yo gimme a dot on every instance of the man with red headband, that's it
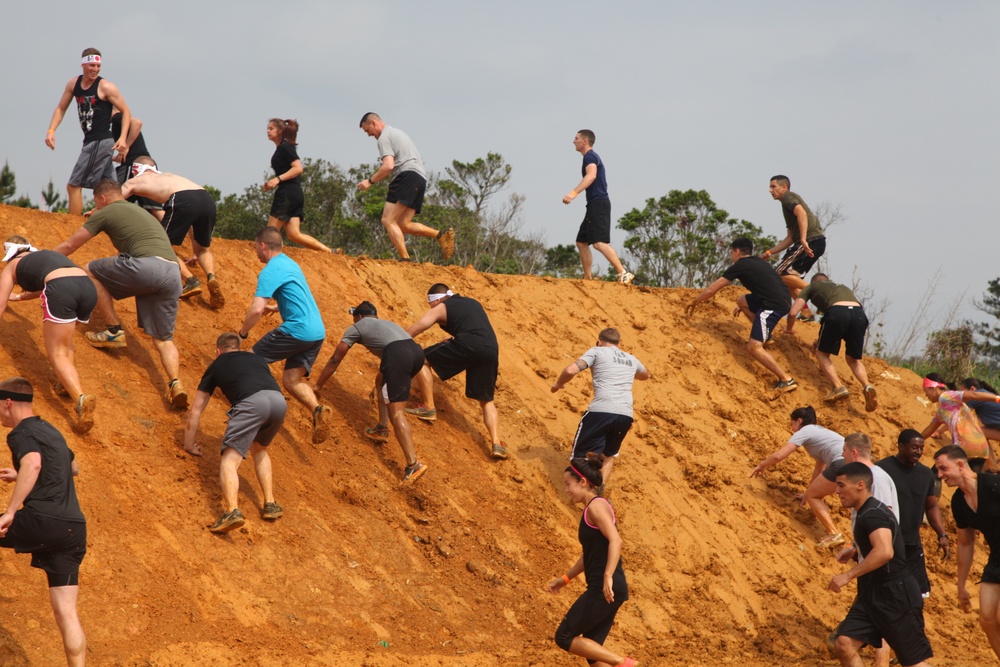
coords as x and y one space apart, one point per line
96 98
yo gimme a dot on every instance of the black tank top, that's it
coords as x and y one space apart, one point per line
137 149
468 323
595 556
31 271
95 113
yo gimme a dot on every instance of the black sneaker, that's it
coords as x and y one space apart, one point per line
272 511
413 472
785 386
229 521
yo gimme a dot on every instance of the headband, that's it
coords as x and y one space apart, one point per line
11 249
431 298
15 396
930 384
92 58
139 169
579 473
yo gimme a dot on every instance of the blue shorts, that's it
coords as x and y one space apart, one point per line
766 320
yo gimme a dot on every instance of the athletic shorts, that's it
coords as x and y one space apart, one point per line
796 261
153 281
277 345
843 323
124 173
401 361
892 610
93 164
591 616
187 209
289 202
915 563
600 432
830 471
766 320
56 546
448 359
68 299
257 418
991 573
596 225
407 188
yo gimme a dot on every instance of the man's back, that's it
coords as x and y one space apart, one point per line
282 279
758 276
374 334
613 372
393 141
468 323
158 187
132 231
239 374
54 493
824 294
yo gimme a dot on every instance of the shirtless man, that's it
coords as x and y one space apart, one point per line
186 205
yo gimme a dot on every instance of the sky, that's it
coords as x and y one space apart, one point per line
888 110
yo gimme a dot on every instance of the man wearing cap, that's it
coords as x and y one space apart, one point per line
43 515
258 411
473 349
299 338
95 99
401 359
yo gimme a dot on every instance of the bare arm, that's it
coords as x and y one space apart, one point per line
706 294
930 430
644 374
776 457
384 171
73 243
803 223
6 286
295 170
31 466
881 553
109 92
589 176
783 244
331 366
568 374
436 315
933 512
966 549
257 309
797 307
574 571
201 399
57 115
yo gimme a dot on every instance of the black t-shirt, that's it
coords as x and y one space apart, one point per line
31 271
914 485
758 276
284 155
54 494
239 375
138 147
987 518
872 516
468 323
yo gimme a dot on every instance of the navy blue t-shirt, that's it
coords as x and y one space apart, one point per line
598 190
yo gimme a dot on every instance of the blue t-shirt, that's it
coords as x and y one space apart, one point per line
598 190
283 281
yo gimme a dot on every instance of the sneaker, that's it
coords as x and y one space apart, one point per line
85 405
321 424
272 511
446 238
837 394
228 521
420 412
831 540
106 338
414 471
59 390
216 299
626 278
802 317
178 397
871 398
785 386
499 451
378 433
191 287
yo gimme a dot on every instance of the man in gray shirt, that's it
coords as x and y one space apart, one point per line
608 418
406 189
401 360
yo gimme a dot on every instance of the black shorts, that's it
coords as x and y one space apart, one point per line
449 358
596 225
408 189
843 323
189 209
991 573
766 320
56 546
915 563
289 202
68 299
401 361
795 260
894 611
830 472
591 616
277 345
601 432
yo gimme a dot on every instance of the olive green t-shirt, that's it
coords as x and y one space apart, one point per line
789 201
825 294
132 230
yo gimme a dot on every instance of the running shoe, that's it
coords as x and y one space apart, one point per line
216 299
85 405
499 451
626 278
59 390
785 386
831 540
321 424
272 511
178 397
837 394
420 412
871 398
413 472
228 521
446 238
802 317
191 287
106 338
378 433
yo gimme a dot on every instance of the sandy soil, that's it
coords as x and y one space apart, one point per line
451 570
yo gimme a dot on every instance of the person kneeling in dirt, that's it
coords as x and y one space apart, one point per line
258 411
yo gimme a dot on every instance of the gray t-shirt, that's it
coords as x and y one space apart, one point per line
613 372
822 444
396 143
374 334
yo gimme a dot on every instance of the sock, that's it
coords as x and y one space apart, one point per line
114 328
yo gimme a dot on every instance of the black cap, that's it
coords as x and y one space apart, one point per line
363 308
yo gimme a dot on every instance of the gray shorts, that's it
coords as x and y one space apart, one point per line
257 418
93 164
277 345
153 281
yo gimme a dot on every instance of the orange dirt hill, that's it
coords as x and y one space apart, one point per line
452 570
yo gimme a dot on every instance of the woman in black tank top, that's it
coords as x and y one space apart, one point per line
587 623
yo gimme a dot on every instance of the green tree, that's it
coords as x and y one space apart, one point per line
682 239
53 199
988 333
563 261
8 188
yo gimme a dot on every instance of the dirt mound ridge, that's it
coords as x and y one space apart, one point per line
451 570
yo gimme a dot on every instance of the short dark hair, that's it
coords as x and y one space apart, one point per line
610 335
906 435
820 278
807 414
228 341
953 452
438 288
17 385
743 245
857 471
968 383
368 117
861 442
589 136
106 186
90 52
782 180
364 309
270 237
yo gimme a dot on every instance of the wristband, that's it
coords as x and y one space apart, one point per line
997 399
51 132
767 253
371 179
565 578
278 177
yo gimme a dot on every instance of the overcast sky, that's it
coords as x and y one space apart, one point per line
888 109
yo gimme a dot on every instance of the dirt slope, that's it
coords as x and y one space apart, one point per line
451 571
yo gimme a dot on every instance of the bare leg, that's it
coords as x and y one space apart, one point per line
610 255
105 304
794 284
491 420
75 194
295 234
294 382
185 272
764 358
846 650
989 613
882 655
826 365
591 650
262 464
401 427
205 258
586 258
403 216
169 357
59 347
425 382
609 463
820 488
63 599
858 368
229 478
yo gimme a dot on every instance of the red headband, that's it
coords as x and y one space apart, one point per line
930 384
578 473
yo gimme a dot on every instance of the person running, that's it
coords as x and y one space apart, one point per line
888 603
287 210
400 360
805 240
953 413
68 296
473 349
764 306
400 158
918 492
186 206
595 230
588 622
258 411
843 320
300 336
826 447
146 268
95 97
608 418
988 412
43 515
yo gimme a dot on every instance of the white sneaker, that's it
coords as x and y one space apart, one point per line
626 278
